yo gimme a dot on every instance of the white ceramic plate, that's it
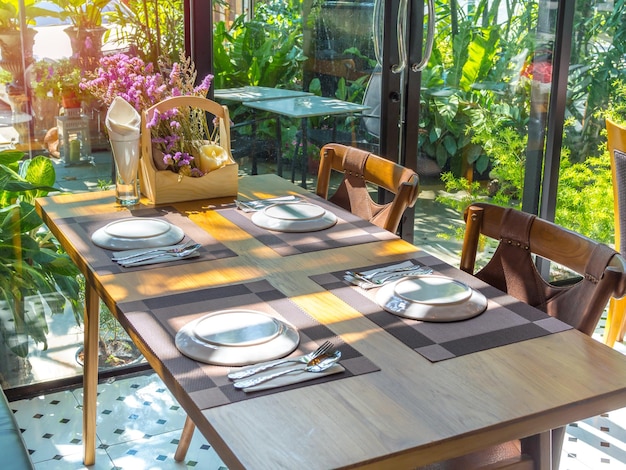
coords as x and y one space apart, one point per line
137 232
294 217
237 338
431 298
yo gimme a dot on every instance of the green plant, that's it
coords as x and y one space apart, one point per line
474 66
31 261
9 14
266 51
69 76
85 14
57 78
154 29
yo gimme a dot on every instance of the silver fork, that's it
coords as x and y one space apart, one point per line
175 249
242 374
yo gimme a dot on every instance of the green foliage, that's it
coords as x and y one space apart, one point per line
154 29
56 78
85 14
9 17
467 76
585 198
31 262
266 51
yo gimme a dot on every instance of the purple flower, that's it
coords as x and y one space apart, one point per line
174 132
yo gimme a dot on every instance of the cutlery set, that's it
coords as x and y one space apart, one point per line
259 204
129 258
319 360
372 279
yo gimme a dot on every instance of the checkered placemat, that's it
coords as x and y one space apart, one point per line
349 230
505 321
80 229
157 320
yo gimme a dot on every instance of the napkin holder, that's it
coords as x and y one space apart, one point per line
165 186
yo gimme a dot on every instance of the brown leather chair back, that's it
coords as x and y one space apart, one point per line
512 268
360 168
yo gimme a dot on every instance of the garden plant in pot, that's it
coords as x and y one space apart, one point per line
16 38
38 278
69 76
115 348
86 31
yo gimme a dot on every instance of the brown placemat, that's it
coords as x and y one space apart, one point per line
80 229
157 320
349 230
506 320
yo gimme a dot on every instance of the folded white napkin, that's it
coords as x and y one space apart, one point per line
122 121
405 268
291 378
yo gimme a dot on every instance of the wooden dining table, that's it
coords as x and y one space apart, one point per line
408 396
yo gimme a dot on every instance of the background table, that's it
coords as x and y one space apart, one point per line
410 412
256 93
303 108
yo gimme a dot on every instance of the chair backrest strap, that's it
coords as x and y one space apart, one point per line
352 193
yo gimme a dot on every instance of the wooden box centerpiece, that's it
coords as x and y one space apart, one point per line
164 186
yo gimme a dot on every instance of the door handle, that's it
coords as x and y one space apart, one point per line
403 10
430 39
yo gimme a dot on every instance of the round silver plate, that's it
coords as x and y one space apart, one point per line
294 217
431 298
137 232
237 337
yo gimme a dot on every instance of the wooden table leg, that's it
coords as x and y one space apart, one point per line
185 440
90 373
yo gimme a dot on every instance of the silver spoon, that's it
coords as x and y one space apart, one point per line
319 364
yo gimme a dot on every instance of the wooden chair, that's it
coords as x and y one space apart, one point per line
360 168
600 272
616 143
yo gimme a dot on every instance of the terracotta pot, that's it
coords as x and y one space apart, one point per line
70 100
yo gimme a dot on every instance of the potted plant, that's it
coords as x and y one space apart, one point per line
86 31
32 265
14 40
59 80
69 76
